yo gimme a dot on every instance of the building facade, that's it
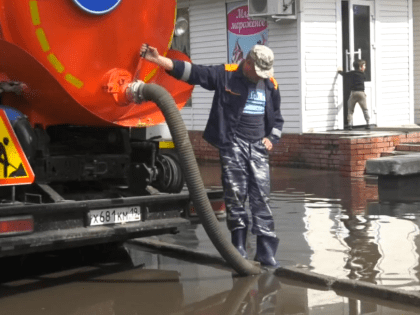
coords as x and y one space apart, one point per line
309 45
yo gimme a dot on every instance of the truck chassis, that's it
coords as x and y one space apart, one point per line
68 224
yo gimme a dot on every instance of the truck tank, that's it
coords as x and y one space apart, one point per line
69 63
75 56
68 72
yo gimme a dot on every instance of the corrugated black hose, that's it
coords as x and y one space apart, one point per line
165 102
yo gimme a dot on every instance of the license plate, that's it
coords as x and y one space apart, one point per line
117 215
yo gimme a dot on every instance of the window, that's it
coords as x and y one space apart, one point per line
182 43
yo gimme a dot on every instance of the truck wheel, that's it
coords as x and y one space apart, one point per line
170 178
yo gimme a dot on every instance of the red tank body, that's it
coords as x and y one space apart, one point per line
75 62
72 171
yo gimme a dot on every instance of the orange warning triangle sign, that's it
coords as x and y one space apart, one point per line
14 166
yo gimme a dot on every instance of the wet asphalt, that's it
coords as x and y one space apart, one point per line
339 227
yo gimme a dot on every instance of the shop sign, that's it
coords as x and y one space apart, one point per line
243 31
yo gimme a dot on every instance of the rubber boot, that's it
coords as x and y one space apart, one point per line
266 251
239 241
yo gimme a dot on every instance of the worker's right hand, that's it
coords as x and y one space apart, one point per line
150 53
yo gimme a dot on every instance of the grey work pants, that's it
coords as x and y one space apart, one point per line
357 97
246 173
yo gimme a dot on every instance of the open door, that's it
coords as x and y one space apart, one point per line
358 43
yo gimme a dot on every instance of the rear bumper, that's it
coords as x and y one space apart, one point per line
67 224
83 236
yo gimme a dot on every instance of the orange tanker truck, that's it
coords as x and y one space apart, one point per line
75 166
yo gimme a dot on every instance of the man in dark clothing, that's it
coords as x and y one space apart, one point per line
357 95
244 123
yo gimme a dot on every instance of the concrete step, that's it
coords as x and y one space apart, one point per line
396 153
404 160
413 147
403 149
398 165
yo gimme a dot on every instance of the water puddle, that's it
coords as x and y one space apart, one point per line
155 284
328 224
342 227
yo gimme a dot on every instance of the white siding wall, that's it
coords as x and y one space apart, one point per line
321 47
416 27
209 46
394 61
308 52
283 40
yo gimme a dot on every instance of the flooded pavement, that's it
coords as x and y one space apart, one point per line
135 282
340 227
328 224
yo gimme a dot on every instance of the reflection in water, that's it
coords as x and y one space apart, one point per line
329 251
379 249
252 295
334 225
158 285
397 244
363 254
146 284
360 239
339 227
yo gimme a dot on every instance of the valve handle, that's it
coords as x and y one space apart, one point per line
143 54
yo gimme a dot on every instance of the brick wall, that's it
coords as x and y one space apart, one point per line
344 153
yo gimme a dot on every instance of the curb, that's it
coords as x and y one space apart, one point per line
345 286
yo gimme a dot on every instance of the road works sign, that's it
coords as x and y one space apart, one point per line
14 166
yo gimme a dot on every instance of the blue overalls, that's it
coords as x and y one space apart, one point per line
245 164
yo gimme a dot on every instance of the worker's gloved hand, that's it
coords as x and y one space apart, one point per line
149 53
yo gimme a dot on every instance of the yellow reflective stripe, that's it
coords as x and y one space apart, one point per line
173 29
73 80
42 39
55 62
33 7
276 86
150 75
231 67
166 145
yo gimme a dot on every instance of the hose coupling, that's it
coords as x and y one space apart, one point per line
134 92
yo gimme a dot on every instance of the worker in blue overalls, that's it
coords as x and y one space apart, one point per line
244 123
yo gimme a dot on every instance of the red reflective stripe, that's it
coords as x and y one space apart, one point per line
19 225
218 205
